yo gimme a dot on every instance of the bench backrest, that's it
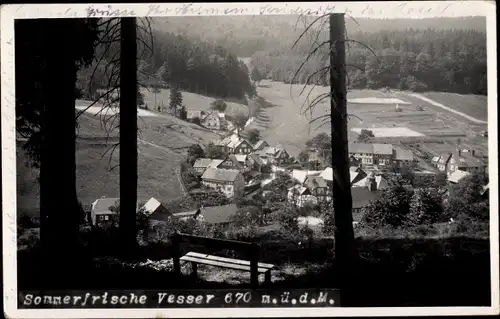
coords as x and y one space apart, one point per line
251 251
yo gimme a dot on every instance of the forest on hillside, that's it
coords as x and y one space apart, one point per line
436 54
173 60
416 60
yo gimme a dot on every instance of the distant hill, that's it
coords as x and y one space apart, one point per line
162 147
244 35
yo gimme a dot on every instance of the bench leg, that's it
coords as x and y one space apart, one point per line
194 270
267 277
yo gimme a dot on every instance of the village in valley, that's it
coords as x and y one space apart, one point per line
240 165
234 147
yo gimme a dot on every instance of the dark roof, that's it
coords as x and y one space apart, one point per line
218 214
466 159
216 174
361 196
259 143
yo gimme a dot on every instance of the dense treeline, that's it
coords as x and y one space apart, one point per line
245 35
173 60
417 60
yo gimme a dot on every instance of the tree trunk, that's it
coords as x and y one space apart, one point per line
128 136
59 210
342 200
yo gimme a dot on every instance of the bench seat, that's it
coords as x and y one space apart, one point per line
223 262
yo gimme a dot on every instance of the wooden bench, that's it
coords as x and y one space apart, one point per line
251 250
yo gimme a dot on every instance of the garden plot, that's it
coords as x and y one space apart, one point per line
110 111
377 100
390 132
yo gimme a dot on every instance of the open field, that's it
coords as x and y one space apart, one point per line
285 120
192 101
162 145
472 105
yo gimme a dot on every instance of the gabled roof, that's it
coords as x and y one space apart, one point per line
215 163
242 158
202 162
403 155
218 214
327 174
360 148
151 206
258 144
102 205
216 174
379 180
313 182
301 175
256 158
457 175
466 159
234 160
382 149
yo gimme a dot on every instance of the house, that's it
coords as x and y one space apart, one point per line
382 154
380 182
362 152
355 173
217 215
301 175
153 208
102 211
196 114
230 182
317 186
231 162
300 195
260 145
361 198
371 154
201 164
273 155
463 160
254 162
243 160
403 156
235 145
216 121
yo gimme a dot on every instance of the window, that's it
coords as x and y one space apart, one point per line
106 217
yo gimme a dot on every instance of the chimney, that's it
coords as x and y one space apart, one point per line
459 152
473 152
372 183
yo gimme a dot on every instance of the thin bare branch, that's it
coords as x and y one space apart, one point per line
307 29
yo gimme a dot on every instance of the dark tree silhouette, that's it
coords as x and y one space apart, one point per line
365 136
48 54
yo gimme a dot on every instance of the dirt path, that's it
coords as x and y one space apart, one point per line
447 108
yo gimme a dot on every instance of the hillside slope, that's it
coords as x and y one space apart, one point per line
162 145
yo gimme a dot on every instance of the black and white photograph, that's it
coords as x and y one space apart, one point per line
249 159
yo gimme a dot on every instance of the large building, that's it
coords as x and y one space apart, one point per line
372 154
460 159
228 181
